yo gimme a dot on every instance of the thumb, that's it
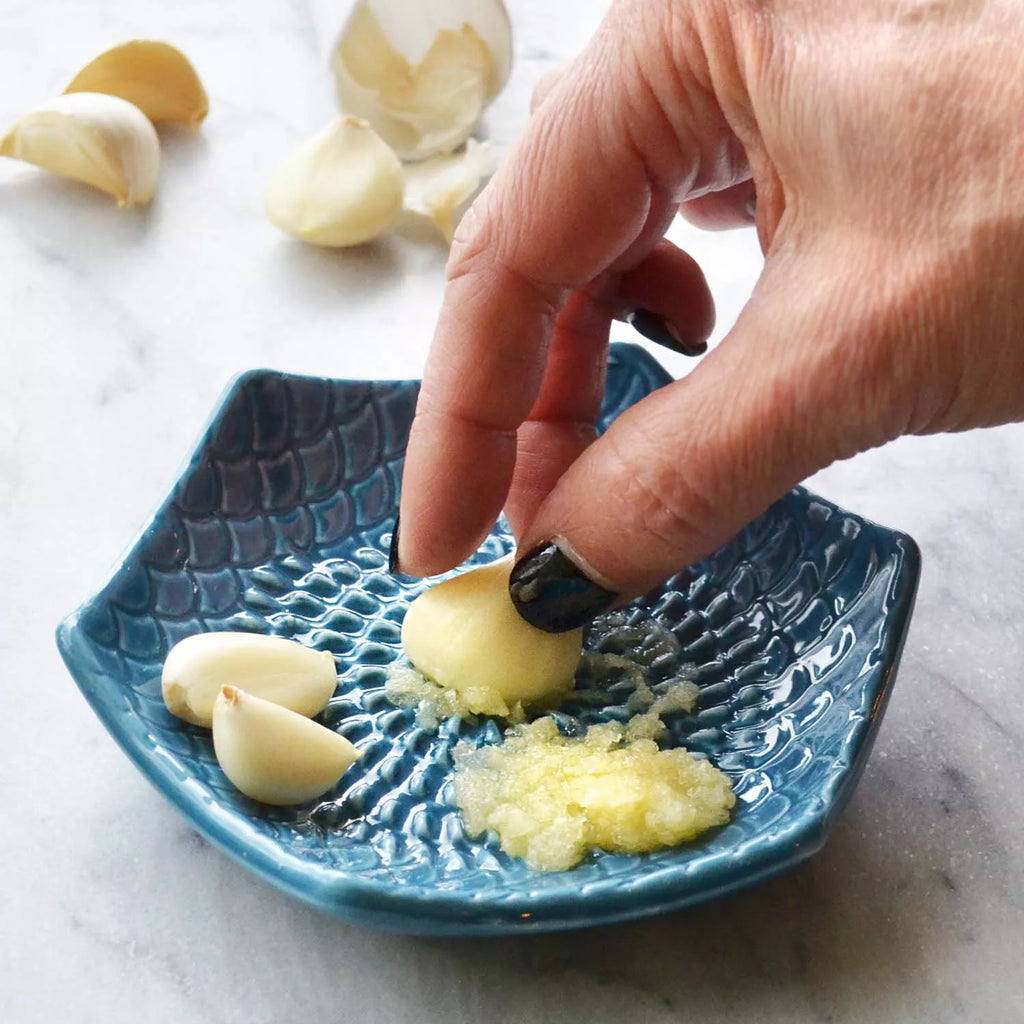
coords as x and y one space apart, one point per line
802 379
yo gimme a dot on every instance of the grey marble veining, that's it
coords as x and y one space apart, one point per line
128 324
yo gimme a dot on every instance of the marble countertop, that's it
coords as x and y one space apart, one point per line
118 331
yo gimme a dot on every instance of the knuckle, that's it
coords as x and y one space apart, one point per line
669 507
472 240
547 84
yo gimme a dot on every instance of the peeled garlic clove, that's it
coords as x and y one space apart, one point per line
465 634
441 189
422 74
270 667
157 77
100 140
342 187
275 755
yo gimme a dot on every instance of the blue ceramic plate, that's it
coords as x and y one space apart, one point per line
280 524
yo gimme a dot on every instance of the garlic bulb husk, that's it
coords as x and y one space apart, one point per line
441 189
100 140
275 755
282 671
465 634
157 77
422 74
342 187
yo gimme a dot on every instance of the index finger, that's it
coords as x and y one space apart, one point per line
577 196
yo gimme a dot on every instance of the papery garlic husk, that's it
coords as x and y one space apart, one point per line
274 755
422 74
100 140
343 187
157 77
441 189
465 634
282 671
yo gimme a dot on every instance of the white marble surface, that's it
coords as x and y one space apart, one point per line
118 330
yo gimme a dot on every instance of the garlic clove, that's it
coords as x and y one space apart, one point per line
100 140
157 77
441 189
343 187
422 76
270 667
465 635
274 755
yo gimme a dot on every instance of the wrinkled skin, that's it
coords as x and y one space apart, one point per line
883 140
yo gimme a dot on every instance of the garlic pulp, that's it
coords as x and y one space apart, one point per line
551 798
157 77
342 187
100 140
274 755
281 671
422 75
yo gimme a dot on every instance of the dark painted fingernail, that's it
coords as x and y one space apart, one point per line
657 329
553 593
393 567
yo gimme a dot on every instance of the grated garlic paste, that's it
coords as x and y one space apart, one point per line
551 798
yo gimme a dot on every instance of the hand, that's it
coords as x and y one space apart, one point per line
883 140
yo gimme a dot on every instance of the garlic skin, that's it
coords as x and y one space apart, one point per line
465 635
157 77
422 74
100 140
274 755
441 189
281 671
342 187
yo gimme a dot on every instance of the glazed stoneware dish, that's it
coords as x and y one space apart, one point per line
280 524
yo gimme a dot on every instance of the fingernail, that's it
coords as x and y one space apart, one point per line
553 593
393 567
657 329
752 207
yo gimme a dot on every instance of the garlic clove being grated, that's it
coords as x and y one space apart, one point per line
281 671
274 755
422 76
465 634
100 140
157 77
342 187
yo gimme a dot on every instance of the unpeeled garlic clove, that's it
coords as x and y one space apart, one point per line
465 634
100 140
343 187
441 189
422 75
157 77
274 755
278 670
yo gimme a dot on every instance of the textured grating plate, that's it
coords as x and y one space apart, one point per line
280 523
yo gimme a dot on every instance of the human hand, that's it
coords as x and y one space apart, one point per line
884 143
